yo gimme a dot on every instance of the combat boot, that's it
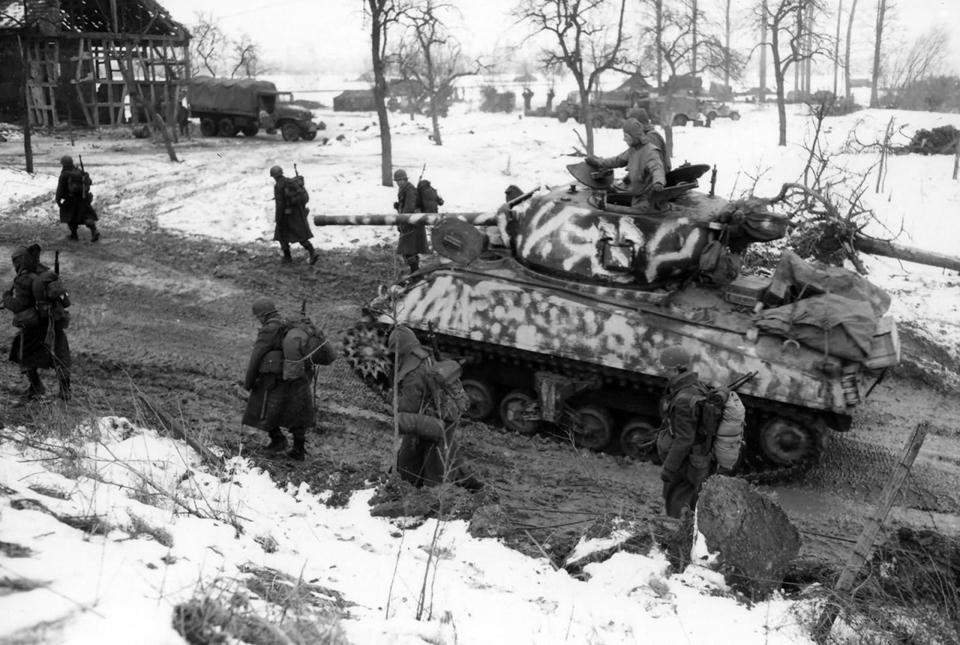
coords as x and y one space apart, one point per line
299 450
94 235
73 235
278 443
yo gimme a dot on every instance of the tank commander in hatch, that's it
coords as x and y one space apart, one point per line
645 173
656 138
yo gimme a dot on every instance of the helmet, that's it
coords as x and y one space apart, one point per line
399 174
512 192
66 160
263 306
276 171
675 356
633 128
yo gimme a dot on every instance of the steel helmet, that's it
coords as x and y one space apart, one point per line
673 357
276 171
66 160
399 174
263 306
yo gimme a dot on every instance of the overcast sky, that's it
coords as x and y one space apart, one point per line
330 36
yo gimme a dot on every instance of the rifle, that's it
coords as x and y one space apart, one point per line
740 382
83 179
295 173
422 170
56 262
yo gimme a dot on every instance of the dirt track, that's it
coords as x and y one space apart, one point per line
168 316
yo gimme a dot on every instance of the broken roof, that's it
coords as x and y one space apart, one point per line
53 17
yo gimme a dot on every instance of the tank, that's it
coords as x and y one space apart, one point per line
559 303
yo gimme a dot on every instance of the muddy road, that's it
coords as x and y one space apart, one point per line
168 316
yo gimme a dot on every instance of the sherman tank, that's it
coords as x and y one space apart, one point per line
559 303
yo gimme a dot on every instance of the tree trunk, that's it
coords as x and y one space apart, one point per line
380 101
779 72
875 79
435 120
586 114
693 53
658 7
726 42
846 56
762 94
906 253
836 51
25 108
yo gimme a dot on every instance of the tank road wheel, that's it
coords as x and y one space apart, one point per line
290 132
249 130
592 427
512 409
786 442
208 127
638 439
365 348
310 136
226 128
482 402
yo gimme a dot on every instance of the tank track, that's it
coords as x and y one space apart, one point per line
755 467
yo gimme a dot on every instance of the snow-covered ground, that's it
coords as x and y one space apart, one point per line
121 587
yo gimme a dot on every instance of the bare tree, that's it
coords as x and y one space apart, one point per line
585 40
882 8
846 56
207 43
727 6
923 59
246 58
762 94
383 16
836 50
432 60
787 44
656 29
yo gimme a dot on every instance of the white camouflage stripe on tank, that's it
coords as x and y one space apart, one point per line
542 321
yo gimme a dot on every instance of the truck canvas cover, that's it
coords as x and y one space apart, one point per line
229 94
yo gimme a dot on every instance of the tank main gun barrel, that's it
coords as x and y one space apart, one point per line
380 219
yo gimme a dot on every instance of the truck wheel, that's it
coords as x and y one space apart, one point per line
208 127
735 116
310 136
562 116
226 128
249 131
680 120
290 132
711 116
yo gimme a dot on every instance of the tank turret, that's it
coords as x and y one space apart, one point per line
559 303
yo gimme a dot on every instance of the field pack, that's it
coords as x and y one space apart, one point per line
304 344
294 192
722 418
78 182
429 200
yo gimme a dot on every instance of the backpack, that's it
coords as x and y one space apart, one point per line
294 192
722 418
429 200
304 344
51 296
78 182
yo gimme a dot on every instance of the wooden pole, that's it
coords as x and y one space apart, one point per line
871 529
956 155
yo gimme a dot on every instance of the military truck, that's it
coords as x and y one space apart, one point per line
226 106
609 109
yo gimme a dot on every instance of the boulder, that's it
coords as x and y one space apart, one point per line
755 538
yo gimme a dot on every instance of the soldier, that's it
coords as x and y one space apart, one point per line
656 138
291 215
75 199
413 237
512 192
422 402
550 95
41 318
687 462
645 174
527 96
276 403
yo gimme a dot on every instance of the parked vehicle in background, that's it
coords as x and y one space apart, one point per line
719 110
227 106
609 109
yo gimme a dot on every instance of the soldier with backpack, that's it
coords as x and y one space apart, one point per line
413 237
688 459
38 302
430 403
291 212
275 401
75 200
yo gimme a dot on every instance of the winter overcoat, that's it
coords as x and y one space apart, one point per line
291 219
644 169
30 348
75 209
686 466
274 402
413 237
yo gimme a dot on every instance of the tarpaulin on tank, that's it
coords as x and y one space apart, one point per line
837 325
804 277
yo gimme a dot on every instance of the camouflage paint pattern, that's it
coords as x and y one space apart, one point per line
511 312
479 219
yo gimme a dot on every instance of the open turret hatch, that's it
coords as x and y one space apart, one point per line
679 182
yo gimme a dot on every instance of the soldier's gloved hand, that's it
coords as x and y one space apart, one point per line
592 160
396 206
657 187
668 477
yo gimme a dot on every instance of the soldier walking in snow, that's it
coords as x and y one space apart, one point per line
413 237
687 462
75 199
291 215
276 402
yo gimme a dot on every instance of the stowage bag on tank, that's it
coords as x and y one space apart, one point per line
840 326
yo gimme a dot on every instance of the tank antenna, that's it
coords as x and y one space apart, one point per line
713 180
